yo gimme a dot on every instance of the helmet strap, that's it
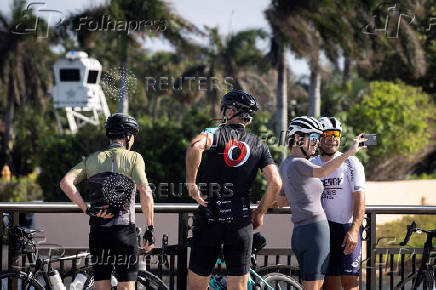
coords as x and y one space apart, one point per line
300 144
304 152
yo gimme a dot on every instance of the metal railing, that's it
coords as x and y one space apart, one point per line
185 210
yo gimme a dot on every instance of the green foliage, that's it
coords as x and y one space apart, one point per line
422 176
57 154
400 116
20 189
397 229
162 145
276 147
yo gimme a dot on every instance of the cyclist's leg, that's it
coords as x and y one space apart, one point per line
332 279
102 285
315 251
196 281
130 285
350 282
206 245
125 246
237 253
312 285
237 282
102 259
350 264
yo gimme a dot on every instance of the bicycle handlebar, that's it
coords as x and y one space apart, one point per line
410 229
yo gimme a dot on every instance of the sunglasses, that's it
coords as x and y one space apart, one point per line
328 134
314 136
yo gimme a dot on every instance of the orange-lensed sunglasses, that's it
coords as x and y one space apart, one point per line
329 134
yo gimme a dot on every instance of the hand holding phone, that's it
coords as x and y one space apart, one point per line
371 140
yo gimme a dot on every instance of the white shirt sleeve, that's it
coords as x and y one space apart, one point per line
356 174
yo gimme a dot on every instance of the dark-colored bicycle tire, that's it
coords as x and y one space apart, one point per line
20 276
279 268
273 279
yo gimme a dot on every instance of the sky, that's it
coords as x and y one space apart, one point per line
229 15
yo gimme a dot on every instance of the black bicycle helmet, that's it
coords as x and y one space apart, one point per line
120 126
243 103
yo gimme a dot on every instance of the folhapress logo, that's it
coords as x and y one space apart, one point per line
33 23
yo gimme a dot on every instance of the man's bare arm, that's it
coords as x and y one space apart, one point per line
272 176
193 160
68 186
352 237
147 202
359 204
193 157
281 201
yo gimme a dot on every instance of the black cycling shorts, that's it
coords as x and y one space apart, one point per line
341 264
115 246
235 238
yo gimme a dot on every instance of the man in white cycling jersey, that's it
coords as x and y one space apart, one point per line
343 201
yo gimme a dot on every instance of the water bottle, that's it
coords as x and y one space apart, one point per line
56 281
114 281
78 283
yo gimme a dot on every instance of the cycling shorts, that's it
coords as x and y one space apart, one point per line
311 247
114 247
235 238
341 264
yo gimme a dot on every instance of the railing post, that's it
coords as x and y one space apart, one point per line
182 259
371 269
15 222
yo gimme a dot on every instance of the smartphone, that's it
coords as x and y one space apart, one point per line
372 140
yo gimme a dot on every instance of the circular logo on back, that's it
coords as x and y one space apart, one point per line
236 153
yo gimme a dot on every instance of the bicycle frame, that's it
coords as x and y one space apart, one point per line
425 270
251 282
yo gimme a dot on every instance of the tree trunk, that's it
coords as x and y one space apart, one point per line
9 116
346 76
123 93
155 109
281 117
315 88
212 93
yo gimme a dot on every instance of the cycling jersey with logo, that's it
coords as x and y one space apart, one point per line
337 198
233 157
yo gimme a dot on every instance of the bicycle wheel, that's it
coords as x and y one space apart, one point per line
148 281
279 282
287 270
14 280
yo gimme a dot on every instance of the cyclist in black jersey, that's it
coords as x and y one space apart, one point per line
224 219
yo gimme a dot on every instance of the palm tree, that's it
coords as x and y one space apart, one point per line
167 25
24 68
226 58
289 30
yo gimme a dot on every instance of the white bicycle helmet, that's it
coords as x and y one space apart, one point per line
306 125
331 123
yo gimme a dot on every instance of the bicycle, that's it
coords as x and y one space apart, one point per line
426 271
270 281
31 278
23 243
